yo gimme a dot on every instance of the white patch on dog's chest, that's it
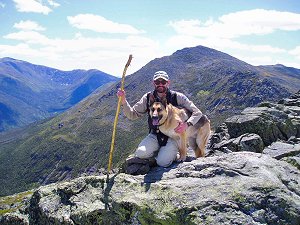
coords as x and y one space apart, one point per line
169 132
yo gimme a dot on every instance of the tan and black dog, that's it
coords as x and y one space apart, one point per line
167 117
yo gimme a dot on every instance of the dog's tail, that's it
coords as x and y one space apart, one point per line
202 140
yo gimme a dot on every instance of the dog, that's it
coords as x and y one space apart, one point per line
167 117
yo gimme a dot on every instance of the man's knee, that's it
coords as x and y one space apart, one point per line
167 154
143 153
147 148
164 162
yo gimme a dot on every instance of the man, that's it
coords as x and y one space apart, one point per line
157 143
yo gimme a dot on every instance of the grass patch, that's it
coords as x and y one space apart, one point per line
4 211
14 202
202 93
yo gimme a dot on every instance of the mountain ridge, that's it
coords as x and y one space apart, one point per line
286 76
30 92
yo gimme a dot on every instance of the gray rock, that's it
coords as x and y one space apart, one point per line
221 134
279 150
236 188
245 142
290 102
293 100
294 160
250 142
269 123
14 218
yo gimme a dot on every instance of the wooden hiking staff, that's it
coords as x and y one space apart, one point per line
116 117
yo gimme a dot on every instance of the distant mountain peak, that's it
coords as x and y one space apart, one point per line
5 59
201 54
279 65
285 67
201 50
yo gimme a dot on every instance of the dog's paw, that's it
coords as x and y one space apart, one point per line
181 159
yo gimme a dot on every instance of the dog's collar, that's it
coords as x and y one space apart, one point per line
162 123
157 126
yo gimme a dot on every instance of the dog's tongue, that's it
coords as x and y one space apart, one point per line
155 122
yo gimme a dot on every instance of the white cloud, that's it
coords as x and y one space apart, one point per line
269 60
263 21
35 6
18 51
100 24
222 34
181 41
31 37
53 3
243 23
256 60
109 55
295 51
28 25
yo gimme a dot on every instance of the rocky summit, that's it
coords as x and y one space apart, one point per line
250 176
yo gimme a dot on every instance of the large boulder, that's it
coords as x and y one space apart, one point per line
236 188
273 129
272 122
279 150
245 142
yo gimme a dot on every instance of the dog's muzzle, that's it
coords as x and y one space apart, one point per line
155 121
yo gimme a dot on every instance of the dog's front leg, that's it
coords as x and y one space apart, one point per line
182 147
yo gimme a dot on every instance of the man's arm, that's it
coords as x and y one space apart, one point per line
137 110
183 101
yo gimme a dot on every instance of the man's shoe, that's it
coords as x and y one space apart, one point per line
137 166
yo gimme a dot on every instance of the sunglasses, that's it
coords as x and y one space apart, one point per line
163 82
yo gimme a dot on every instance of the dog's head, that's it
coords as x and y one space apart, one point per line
157 110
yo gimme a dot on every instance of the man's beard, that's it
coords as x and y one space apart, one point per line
161 89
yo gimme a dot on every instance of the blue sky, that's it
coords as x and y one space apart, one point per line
90 34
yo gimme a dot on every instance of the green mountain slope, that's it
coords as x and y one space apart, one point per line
220 85
31 92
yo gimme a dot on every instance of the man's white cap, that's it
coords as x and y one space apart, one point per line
161 74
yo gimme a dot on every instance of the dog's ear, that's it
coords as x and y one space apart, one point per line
164 102
151 99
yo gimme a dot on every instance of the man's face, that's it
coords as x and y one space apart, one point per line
161 85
